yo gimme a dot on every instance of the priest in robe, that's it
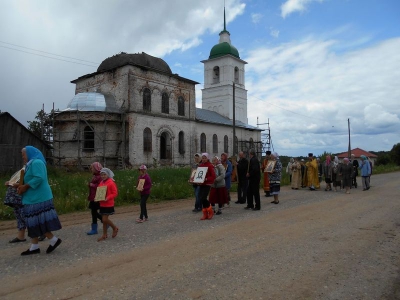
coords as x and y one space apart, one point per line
312 173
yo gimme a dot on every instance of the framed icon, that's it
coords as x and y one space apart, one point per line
101 193
200 175
270 166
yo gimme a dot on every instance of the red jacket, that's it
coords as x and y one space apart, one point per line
210 176
112 192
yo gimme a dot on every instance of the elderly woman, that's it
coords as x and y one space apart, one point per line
336 178
218 192
327 170
275 178
365 168
346 172
40 215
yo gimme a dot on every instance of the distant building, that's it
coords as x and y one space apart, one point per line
134 110
13 137
357 154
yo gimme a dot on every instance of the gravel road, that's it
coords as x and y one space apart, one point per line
313 245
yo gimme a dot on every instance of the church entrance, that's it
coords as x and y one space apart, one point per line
165 146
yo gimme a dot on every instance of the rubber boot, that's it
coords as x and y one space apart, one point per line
205 214
93 231
210 212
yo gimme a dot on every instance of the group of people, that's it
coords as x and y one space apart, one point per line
337 174
30 196
217 182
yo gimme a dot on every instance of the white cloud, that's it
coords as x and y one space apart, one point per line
291 6
256 18
274 32
306 89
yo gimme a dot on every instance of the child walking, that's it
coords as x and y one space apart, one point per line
144 193
107 206
94 206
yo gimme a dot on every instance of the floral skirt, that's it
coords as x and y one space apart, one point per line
41 218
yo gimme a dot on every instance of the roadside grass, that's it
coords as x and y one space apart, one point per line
70 189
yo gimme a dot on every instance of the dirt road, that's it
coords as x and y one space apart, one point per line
313 245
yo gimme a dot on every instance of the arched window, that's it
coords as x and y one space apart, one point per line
181 106
181 142
203 142
226 145
215 143
147 140
236 75
165 146
88 139
165 103
251 143
146 100
216 75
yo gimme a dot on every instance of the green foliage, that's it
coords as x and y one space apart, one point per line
395 154
383 159
385 169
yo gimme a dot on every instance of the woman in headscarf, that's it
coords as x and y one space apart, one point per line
204 188
275 178
327 170
346 171
107 205
40 215
218 192
365 168
94 205
197 203
336 178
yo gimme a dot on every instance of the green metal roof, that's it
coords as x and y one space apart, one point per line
222 49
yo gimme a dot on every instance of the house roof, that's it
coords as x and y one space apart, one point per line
357 153
208 116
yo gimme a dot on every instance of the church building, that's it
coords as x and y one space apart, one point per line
134 110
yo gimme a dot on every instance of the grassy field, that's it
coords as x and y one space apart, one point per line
70 189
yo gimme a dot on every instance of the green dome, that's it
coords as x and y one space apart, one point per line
222 49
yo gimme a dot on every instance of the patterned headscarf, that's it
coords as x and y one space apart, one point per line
345 159
33 153
96 166
328 160
109 173
218 159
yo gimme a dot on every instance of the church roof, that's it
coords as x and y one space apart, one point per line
139 59
222 49
208 116
93 102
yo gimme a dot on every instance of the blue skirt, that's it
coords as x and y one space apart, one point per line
41 218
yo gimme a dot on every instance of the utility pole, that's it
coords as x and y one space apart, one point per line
349 150
234 123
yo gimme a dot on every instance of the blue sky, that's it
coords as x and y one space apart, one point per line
312 64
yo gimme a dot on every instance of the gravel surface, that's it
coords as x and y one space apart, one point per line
313 245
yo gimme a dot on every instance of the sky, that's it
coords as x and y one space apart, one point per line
314 66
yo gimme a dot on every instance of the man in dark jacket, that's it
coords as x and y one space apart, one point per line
241 167
254 176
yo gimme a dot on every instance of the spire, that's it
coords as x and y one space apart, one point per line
224 19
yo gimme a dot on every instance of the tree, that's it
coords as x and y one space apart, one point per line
395 154
42 127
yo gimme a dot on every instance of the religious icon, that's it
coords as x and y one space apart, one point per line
192 174
140 185
270 166
101 193
200 175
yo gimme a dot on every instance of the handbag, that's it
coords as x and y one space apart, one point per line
12 198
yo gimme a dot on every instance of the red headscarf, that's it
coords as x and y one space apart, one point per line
96 167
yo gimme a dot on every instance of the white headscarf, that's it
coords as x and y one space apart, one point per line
109 173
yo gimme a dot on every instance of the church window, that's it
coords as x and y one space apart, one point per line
146 99
226 145
181 142
216 75
215 143
88 139
147 140
165 146
165 103
181 106
251 143
236 75
203 142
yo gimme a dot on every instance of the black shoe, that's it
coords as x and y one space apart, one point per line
16 240
195 210
219 213
275 202
52 248
238 202
248 207
256 208
29 252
